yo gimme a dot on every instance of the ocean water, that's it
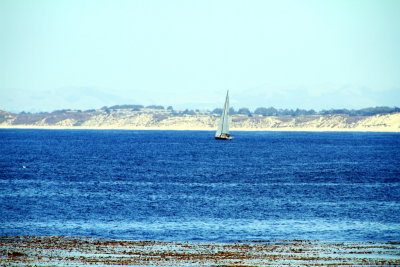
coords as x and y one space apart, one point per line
185 186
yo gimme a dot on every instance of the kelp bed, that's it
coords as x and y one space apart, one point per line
60 251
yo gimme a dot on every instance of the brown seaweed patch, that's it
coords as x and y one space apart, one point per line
87 251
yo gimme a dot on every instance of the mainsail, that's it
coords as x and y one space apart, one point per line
223 126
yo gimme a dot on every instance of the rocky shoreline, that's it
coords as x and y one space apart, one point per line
60 250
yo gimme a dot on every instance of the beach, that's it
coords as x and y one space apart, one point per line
195 128
59 250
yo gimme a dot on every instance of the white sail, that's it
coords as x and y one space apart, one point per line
223 126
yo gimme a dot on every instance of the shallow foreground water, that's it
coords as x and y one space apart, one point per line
186 186
61 251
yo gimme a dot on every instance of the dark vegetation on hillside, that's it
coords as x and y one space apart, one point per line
58 115
271 111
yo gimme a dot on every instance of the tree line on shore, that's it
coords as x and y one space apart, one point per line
271 111
261 111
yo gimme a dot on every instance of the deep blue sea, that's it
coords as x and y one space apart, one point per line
185 186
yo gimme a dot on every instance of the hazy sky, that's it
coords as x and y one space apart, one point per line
287 54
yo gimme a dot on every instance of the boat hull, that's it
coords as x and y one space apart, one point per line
223 137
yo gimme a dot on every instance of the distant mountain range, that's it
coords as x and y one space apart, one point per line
157 117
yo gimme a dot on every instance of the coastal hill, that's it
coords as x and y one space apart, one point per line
156 117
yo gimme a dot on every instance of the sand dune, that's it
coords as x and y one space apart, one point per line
154 121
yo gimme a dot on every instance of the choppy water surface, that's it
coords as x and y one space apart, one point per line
184 185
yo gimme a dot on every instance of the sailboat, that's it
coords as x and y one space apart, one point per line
223 125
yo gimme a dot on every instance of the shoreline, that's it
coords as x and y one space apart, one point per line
62 250
129 120
35 127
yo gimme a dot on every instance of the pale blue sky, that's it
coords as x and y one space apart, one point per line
287 53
